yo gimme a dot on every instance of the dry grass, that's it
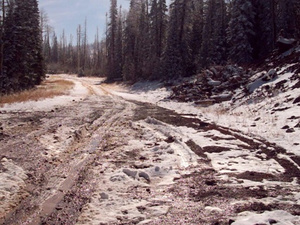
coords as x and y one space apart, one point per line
47 89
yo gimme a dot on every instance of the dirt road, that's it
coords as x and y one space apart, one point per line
102 159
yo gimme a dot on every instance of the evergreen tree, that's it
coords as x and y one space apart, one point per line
196 32
157 34
241 31
23 61
113 71
119 45
177 56
287 18
8 81
265 28
130 37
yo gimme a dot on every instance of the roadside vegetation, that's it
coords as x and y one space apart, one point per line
48 89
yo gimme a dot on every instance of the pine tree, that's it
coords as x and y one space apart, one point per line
177 56
241 31
119 45
143 43
24 46
111 42
8 82
196 32
265 28
130 36
157 34
287 18
214 33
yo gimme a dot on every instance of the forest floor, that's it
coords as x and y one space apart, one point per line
108 154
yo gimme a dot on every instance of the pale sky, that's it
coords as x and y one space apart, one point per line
68 14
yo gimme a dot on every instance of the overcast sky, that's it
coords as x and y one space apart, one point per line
68 14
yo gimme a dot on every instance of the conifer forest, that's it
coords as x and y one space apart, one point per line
173 112
149 41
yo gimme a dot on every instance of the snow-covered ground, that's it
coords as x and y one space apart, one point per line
265 116
77 93
273 118
152 150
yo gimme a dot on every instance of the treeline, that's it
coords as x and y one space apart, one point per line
153 42
21 60
72 55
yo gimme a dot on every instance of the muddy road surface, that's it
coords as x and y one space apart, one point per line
102 159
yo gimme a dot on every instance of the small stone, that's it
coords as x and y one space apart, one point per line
271 221
231 221
170 151
145 176
157 168
210 182
104 195
285 127
290 130
170 139
130 173
143 158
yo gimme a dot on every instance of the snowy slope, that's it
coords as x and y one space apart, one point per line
264 108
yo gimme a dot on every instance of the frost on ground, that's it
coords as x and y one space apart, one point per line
276 217
12 184
76 94
136 191
129 156
258 152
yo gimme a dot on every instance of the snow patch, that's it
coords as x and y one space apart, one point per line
12 183
279 217
76 94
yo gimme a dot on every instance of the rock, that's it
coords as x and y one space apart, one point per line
213 82
170 139
157 168
130 173
211 182
143 158
297 100
231 221
141 165
285 127
145 176
271 221
170 151
290 130
285 44
104 195
117 178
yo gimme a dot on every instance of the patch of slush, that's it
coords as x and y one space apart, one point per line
12 183
278 217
